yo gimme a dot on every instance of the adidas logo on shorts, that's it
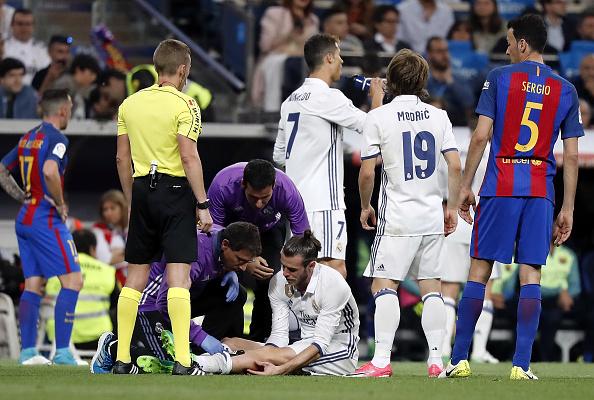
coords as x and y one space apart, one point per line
380 268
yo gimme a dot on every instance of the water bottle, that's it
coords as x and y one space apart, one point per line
361 83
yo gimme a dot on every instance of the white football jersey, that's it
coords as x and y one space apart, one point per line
309 142
410 136
327 308
463 232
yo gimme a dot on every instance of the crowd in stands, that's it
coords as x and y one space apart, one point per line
460 50
461 47
28 67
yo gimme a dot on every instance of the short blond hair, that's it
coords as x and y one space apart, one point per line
407 73
169 55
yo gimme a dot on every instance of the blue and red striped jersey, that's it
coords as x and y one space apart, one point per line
40 144
528 103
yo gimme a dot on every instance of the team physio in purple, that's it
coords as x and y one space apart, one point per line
257 192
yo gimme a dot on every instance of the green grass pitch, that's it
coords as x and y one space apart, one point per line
557 382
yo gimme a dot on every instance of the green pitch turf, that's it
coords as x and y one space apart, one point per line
557 382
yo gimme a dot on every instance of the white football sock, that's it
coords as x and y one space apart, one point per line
483 329
433 321
450 315
386 320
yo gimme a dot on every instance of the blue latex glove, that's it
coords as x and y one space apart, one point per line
231 279
212 345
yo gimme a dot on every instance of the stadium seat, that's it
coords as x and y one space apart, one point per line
566 339
570 60
465 61
9 338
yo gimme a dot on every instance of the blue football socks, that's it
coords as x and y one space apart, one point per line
529 307
469 310
64 316
28 316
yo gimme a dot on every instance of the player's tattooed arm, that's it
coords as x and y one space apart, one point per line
10 186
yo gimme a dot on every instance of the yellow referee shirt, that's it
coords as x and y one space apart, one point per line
152 118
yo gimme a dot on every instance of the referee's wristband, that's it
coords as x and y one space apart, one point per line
204 205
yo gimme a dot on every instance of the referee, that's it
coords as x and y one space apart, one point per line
161 175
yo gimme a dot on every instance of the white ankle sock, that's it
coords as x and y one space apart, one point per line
450 315
483 329
386 320
433 321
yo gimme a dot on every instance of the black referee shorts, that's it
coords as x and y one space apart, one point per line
162 222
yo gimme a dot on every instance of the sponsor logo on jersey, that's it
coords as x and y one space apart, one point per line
526 161
381 268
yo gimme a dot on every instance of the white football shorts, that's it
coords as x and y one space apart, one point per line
396 257
455 261
340 358
329 227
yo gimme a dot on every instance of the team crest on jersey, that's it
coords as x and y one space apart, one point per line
339 247
191 103
486 85
289 290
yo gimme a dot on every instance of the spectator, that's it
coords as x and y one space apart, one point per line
6 13
80 81
586 112
359 16
486 24
560 30
114 84
423 19
584 83
112 227
59 53
336 24
1 49
22 46
586 25
17 100
560 283
285 29
443 83
92 317
385 24
461 32
100 107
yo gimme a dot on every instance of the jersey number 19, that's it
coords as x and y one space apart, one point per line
424 150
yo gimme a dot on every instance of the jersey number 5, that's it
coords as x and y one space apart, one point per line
531 125
424 149
294 118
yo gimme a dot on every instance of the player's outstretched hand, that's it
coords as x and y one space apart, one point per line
259 269
265 368
467 200
450 221
230 278
204 219
563 226
366 215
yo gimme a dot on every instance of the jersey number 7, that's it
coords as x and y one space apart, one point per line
424 150
294 118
